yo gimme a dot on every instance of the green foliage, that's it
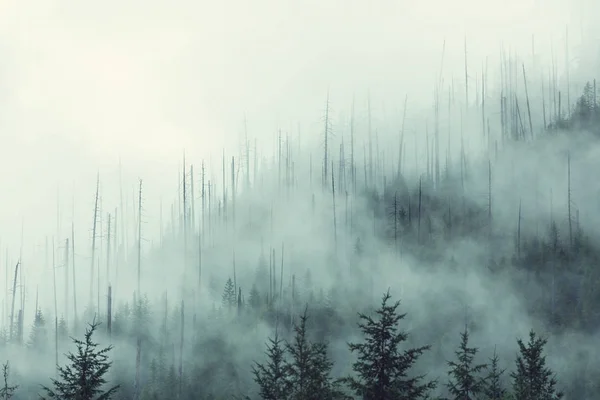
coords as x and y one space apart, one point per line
533 380
310 367
382 368
465 382
83 378
273 376
493 382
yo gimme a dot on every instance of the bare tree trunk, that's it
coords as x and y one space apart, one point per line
181 352
14 294
139 249
91 294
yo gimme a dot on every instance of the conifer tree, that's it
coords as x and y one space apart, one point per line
38 338
465 382
382 368
254 298
273 377
7 391
493 386
310 367
533 380
84 377
63 331
229 296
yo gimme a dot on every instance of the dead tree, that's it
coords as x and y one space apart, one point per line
91 294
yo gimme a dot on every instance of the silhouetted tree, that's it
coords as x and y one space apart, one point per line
310 367
533 380
273 377
7 391
83 378
382 368
493 386
465 382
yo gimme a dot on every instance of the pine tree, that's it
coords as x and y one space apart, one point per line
254 298
310 367
84 378
493 386
382 369
7 391
63 331
532 379
464 383
150 391
38 338
121 320
229 297
273 378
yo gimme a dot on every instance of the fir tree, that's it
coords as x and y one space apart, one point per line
229 297
493 386
150 391
310 367
83 378
382 369
7 391
254 299
273 378
63 331
38 338
140 318
464 383
120 323
532 379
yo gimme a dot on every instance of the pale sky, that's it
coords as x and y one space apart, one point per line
82 83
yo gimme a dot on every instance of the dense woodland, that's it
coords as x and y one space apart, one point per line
266 326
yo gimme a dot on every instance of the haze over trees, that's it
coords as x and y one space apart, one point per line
382 253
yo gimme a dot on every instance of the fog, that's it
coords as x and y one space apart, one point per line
117 92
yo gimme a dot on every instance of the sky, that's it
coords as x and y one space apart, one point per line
83 84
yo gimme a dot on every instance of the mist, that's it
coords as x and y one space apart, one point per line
318 154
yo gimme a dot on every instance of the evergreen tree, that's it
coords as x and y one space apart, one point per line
38 338
84 378
310 367
229 297
273 378
464 383
121 319
141 318
532 379
382 369
493 386
254 299
150 391
63 331
7 391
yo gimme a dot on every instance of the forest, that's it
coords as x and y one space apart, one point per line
453 256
